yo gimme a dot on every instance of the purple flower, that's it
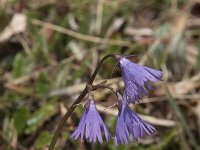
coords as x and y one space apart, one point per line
91 125
129 123
137 79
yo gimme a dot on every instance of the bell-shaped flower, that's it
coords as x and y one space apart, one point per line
137 79
129 123
91 125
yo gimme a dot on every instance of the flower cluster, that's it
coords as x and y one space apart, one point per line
137 80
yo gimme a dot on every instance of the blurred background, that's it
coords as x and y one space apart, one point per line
49 48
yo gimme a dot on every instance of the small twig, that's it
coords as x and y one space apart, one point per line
99 14
115 104
80 36
95 87
150 119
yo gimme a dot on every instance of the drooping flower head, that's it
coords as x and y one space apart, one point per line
137 78
91 125
129 123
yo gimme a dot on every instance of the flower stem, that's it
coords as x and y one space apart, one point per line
74 105
98 86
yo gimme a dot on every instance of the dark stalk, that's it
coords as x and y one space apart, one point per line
74 105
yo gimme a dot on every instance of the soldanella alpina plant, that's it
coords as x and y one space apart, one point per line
137 80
